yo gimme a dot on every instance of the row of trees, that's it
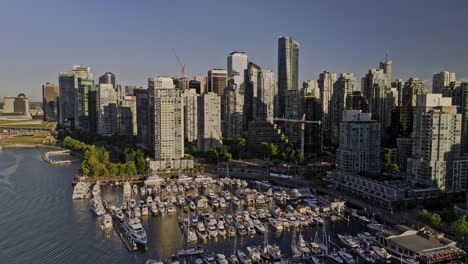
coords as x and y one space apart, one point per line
460 227
429 218
96 161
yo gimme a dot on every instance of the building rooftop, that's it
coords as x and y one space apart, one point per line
417 243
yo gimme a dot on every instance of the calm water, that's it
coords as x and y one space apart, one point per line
40 222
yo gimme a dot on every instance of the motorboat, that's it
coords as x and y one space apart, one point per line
161 208
137 211
210 259
107 221
381 253
96 206
366 255
132 203
235 201
181 200
376 226
149 200
144 210
231 230
243 258
221 229
221 259
335 258
233 259
349 241
134 230
143 190
241 228
285 222
154 180
222 203
154 209
259 226
273 253
118 213
367 238
191 251
80 190
408 261
315 260
96 192
301 245
347 258
276 224
171 209
254 254
212 231
201 231
192 206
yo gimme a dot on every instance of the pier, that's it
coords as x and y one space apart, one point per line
58 152
117 226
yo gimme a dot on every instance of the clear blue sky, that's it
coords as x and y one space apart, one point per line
133 38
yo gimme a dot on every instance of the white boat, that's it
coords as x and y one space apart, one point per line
137 211
149 200
154 180
235 201
132 203
233 259
221 259
222 203
364 219
191 236
191 251
221 229
367 238
161 208
243 258
335 258
210 260
231 230
212 231
118 213
381 253
276 224
302 245
348 241
80 190
315 260
366 255
259 226
171 209
144 210
201 231
376 226
192 206
273 253
96 206
107 221
127 189
347 258
134 230
96 192
241 228
408 261
254 254
154 209
143 190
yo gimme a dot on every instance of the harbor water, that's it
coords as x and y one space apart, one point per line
41 223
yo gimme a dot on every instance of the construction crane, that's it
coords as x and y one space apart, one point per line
182 66
302 121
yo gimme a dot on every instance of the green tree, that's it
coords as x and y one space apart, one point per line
429 218
460 227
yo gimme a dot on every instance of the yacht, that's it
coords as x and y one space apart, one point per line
222 203
221 229
367 238
366 255
381 253
134 230
118 213
259 226
96 189
210 260
231 230
154 180
348 241
212 231
107 221
143 190
149 200
144 210
235 201
96 206
127 189
276 224
181 200
376 226
154 209
233 259
161 208
201 231
273 253
301 246
192 206
335 258
285 222
347 258
221 259
191 251
243 258
132 203
241 228
254 254
80 190
171 209
137 212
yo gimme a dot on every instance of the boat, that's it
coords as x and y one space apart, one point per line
80 190
137 211
154 209
192 206
348 241
96 192
222 203
408 261
161 208
107 221
149 200
212 231
231 230
233 259
315 260
301 245
221 259
134 230
191 251
209 259
154 180
199 260
221 229
96 206
135 189
335 258
381 253
132 203
118 213
259 226
241 228
127 189
144 210
243 258
201 231
254 254
171 209
376 226
347 258
366 255
367 238
143 190
235 201
273 253
363 219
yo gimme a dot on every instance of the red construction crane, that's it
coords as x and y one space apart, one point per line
182 66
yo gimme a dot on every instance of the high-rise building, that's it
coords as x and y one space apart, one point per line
232 107
127 116
68 86
326 82
359 149
312 109
142 106
217 81
293 108
405 113
436 140
342 88
311 88
180 82
50 95
464 111
260 94
190 114
442 80
357 101
107 110
195 85
386 66
86 106
374 88
288 70
209 121
236 67
251 92
203 83
398 85
108 78
166 119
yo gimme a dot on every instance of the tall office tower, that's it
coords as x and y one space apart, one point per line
412 88
293 104
107 110
311 88
357 101
129 90
232 107
464 111
442 80
436 140
359 149
288 70
50 95
209 121
391 102
160 82
108 78
251 92
343 87
86 106
203 83
326 82
267 93
217 81
195 85
386 66
398 85
454 91
127 116
236 67
312 109
68 86
190 114
166 120
180 82
142 117
373 87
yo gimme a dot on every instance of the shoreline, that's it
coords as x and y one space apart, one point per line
26 145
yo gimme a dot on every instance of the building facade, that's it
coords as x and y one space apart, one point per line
217 81
442 80
209 121
288 69
50 98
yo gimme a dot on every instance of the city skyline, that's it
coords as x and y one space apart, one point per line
422 40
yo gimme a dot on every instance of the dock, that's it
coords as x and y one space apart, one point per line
128 242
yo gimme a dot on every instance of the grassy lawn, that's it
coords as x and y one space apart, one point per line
36 138
27 124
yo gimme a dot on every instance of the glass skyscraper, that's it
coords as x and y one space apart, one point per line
288 69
